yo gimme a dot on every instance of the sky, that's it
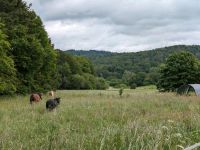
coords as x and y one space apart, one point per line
119 25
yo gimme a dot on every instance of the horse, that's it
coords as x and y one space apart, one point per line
51 93
35 97
52 103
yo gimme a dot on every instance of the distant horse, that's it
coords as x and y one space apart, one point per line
51 93
35 97
52 103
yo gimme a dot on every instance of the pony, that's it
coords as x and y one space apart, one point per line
52 103
35 97
51 93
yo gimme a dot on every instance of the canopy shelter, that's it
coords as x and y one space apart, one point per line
185 89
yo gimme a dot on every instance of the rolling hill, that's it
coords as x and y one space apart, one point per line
114 66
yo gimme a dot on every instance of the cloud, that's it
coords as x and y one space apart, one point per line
119 25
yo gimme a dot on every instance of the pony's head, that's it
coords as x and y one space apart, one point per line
40 94
57 99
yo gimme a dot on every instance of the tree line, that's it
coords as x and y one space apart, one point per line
135 68
28 59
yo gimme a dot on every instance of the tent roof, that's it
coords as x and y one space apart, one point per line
184 89
196 88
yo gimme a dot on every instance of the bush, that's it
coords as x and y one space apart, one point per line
101 84
121 86
133 86
121 90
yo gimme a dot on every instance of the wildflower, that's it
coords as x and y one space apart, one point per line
170 121
178 135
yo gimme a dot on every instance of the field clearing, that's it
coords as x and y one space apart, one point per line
90 120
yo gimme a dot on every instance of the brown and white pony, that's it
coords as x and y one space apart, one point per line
35 97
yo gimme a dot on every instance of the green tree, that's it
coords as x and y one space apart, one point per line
101 84
85 64
137 79
64 76
127 77
31 49
78 82
7 70
180 68
152 76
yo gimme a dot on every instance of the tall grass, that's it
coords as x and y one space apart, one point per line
90 120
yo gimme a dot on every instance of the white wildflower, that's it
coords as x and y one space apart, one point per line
178 135
170 121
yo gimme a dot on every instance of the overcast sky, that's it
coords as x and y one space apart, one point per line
119 25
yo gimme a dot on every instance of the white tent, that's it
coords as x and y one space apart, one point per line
184 89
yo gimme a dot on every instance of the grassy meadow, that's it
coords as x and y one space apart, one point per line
101 120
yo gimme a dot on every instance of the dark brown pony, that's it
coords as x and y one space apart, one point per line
35 97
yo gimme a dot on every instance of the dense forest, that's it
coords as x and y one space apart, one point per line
29 62
132 69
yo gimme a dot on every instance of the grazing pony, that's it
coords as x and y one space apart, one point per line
52 103
51 93
35 97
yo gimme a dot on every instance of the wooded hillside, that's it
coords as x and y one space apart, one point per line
133 69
